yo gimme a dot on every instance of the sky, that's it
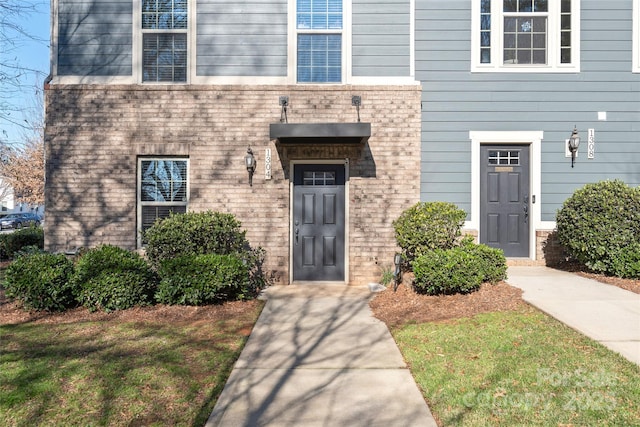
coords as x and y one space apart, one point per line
30 55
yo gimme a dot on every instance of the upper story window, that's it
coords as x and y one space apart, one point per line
526 35
164 40
319 26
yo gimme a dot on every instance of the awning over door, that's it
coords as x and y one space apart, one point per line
320 133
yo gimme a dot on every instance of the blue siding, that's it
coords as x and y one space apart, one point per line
381 36
95 38
242 38
456 101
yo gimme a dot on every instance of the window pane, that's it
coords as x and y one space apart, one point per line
566 6
319 58
521 37
565 56
163 181
540 6
485 6
525 6
164 14
485 56
485 22
162 55
304 21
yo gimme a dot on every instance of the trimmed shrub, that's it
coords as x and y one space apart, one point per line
41 282
427 226
626 262
598 222
112 278
492 262
194 233
203 279
200 233
447 271
12 243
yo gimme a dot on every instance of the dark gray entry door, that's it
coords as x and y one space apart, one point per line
504 198
318 222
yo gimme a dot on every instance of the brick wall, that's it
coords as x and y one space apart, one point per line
95 134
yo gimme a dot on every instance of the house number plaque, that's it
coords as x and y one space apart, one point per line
504 169
267 163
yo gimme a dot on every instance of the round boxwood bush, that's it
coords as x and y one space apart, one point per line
194 233
41 281
11 244
598 224
427 226
492 262
447 271
112 278
203 279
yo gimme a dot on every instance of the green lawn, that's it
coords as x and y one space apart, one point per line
114 373
519 368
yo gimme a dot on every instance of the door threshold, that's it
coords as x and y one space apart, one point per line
317 283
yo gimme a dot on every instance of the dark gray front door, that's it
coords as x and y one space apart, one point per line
504 198
318 222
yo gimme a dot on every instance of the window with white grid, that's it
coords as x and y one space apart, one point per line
164 40
526 35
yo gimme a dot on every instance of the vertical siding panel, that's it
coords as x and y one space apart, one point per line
456 101
381 39
242 38
95 38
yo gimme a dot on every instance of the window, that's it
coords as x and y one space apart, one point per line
319 41
322 178
526 35
162 189
504 158
164 40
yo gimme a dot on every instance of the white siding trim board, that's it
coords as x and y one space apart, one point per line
636 37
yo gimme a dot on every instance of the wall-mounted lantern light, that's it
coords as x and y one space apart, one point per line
250 163
356 101
574 143
284 103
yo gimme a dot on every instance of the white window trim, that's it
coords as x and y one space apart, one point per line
636 37
137 43
139 202
534 140
292 54
553 41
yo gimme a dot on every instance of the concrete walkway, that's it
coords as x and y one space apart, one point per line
605 313
318 357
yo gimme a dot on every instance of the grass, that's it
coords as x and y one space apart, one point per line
519 368
111 373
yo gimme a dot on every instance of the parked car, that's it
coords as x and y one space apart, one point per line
19 220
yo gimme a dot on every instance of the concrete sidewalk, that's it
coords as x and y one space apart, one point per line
605 313
318 357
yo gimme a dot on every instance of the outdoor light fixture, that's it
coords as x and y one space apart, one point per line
574 143
397 272
356 101
250 163
284 103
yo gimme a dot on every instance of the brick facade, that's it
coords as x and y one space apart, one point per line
95 134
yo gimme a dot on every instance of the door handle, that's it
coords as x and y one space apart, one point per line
526 207
297 232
